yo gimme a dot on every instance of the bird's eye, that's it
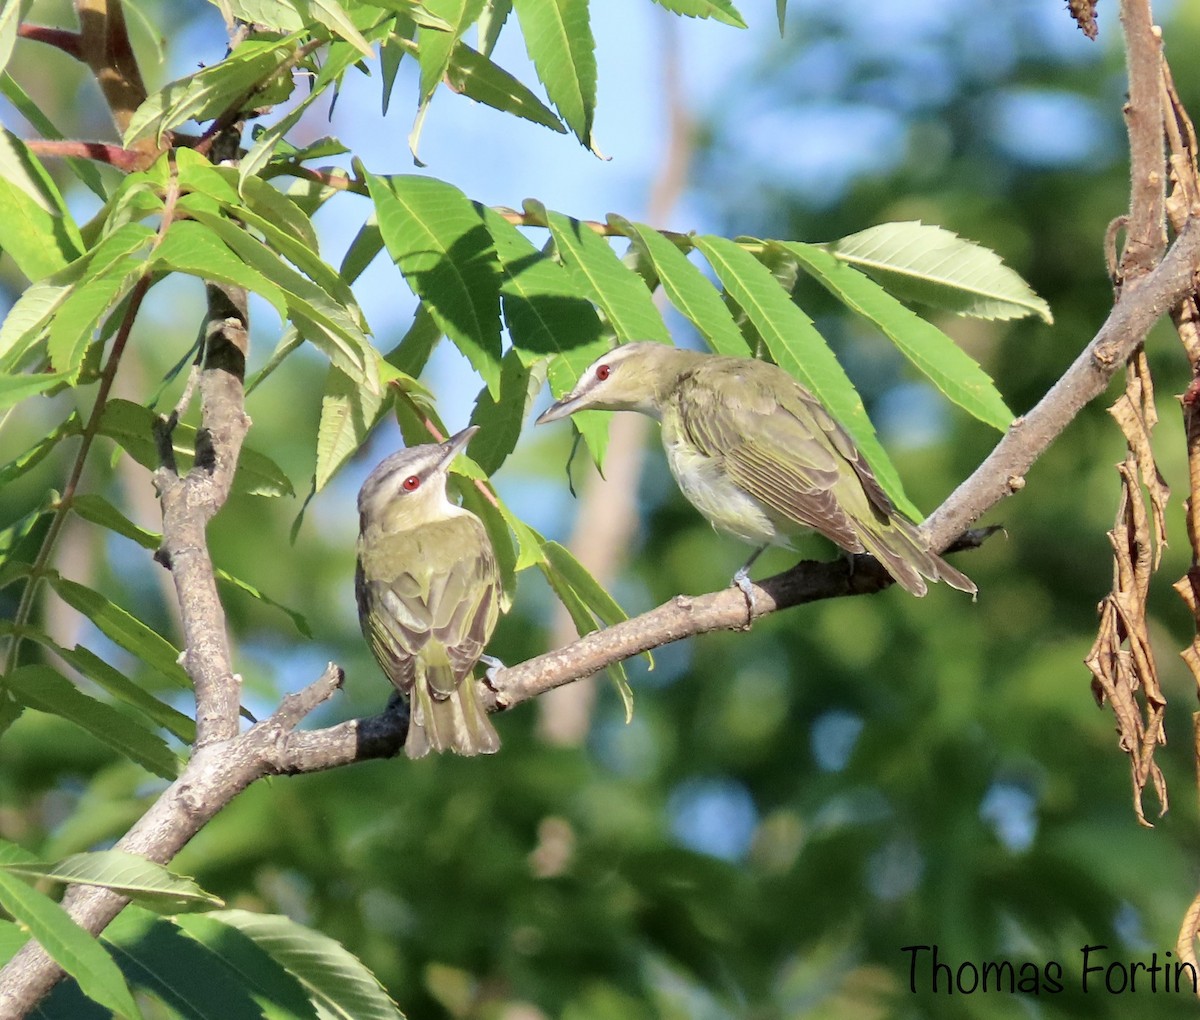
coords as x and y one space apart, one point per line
603 372
411 483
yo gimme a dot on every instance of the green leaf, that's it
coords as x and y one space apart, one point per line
581 616
73 949
15 388
920 262
558 39
688 288
43 689
124 629
14 469
132 426
298 620
98 510
333 16
27 108
718 10
491 21
476 77
35 227
159 959
75 322
433 53
501 537
947 366
320 317
279 994
548 317
28 321
10 21
600 273
191 247
800 350
348 413
781 14
119 686
128 874
500 420
336 981
438 240
226 86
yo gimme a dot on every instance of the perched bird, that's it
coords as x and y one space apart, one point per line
758 455
428 596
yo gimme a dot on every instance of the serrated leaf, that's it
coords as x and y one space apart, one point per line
191 981
336 981
558 39
476 77
132 426
119 686
35 229
495 13
433 54
278 993
321 318
348 413
921 262
500 420
43 689
15 388
600 273
548 317
122 872
718 10
73 949
75 322
192 248
124 629
688 288
581 616
946 365
211 91
800 350
437 239
27 322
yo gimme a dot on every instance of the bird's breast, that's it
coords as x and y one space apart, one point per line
704 483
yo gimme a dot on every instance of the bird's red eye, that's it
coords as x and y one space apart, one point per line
411 483
603 372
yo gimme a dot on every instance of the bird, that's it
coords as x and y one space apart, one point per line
428 592
759 456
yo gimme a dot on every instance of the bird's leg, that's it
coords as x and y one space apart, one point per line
742 580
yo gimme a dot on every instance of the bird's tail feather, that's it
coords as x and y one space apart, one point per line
452 722
900 547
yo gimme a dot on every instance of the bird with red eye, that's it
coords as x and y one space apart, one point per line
429 595
603 372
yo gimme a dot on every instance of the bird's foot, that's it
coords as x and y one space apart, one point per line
742 580
494 666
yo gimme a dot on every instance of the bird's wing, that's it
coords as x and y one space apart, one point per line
777 443
440 605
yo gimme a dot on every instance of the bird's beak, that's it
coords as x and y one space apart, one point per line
453 446
561 409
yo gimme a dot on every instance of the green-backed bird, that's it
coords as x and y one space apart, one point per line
759 456
428 596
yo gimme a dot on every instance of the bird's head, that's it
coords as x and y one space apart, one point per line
632 377
409 487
